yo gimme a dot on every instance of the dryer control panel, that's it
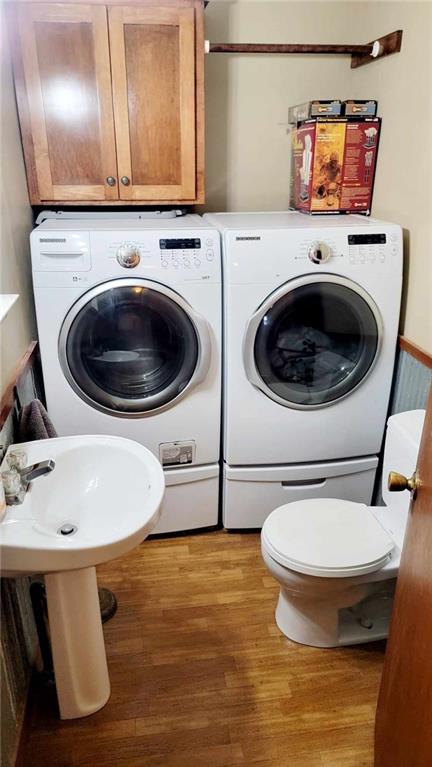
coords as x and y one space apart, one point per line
345 246
319 252
369 248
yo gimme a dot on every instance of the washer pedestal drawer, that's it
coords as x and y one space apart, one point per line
191 499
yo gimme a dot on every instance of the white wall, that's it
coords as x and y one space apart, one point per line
247 96
18 329
247 99
403 86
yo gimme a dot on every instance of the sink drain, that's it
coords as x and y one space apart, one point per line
67 529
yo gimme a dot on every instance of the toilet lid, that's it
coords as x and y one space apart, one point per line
326 537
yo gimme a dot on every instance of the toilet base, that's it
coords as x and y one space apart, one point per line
320 624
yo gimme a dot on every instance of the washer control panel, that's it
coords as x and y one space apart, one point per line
189 257
174 254
187 253
187 243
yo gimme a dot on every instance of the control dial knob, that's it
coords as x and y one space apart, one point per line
319 252
128 256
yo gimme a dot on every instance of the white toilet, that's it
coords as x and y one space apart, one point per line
337 561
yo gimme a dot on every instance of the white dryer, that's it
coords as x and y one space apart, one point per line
311 311
129 321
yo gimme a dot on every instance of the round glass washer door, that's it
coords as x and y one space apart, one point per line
313 341
130 347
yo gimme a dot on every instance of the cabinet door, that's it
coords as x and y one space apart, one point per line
153 75
68 125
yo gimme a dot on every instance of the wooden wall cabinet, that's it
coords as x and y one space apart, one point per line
110 100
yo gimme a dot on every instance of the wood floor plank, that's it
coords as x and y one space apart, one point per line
202 677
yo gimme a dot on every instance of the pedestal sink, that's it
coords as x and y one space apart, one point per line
106 492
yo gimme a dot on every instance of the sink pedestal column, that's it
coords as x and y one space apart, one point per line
78 647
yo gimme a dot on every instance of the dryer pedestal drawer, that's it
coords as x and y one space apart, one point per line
250 494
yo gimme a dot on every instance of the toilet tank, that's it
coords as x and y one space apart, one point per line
401 448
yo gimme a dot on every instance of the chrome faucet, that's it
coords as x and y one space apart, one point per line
16 480
29 473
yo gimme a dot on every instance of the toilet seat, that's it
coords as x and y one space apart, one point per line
327 537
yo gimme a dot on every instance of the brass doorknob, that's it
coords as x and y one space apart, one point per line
397 482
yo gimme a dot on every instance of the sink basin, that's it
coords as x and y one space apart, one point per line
107 491
108 488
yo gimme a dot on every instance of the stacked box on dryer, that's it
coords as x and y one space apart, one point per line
333 164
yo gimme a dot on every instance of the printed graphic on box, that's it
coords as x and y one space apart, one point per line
303 141
361 143
360 108
327 168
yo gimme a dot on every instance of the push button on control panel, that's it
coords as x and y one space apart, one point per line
186 254
368 248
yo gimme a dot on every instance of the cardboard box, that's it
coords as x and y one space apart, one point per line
333 165
360 108
317 108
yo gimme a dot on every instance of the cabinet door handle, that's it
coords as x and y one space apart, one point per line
111 181
125 180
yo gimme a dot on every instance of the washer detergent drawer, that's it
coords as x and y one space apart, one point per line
191 499
251 494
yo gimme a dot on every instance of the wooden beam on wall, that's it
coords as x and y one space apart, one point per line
8 396
360 54
388 44
415 351
315 48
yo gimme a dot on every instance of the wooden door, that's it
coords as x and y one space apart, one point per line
64 96
153 75
403 735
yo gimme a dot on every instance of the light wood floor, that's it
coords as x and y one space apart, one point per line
201 676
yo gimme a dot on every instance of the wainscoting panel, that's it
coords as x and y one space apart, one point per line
411 384
19 644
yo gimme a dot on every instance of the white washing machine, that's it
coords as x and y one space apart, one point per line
311 311
129 320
